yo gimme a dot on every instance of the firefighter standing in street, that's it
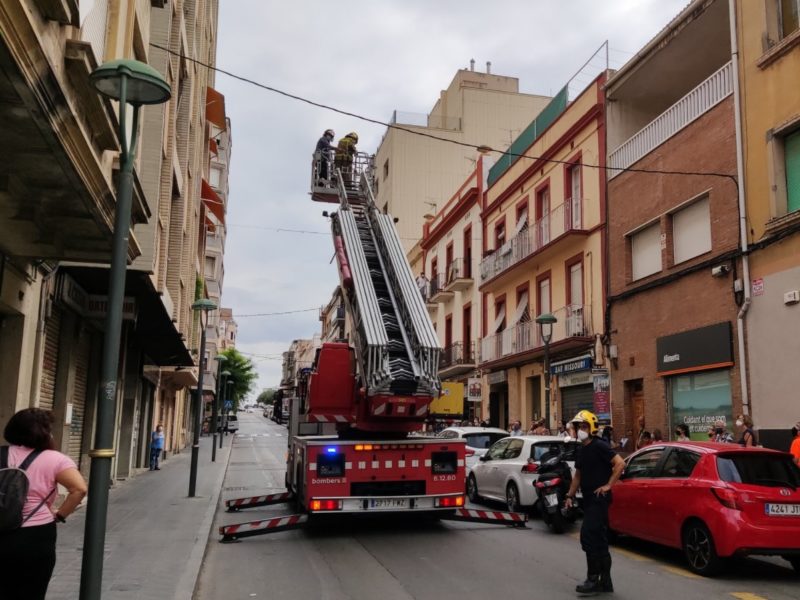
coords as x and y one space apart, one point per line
597 469
345 152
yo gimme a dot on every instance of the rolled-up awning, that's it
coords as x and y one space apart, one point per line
215 107
213 201
212 146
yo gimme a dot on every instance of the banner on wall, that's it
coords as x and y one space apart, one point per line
602 395
474 389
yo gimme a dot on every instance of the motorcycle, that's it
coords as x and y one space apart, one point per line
552 485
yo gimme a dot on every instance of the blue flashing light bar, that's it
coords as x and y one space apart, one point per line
331 450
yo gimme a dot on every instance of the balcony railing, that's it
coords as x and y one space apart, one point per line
459 276
562 219
457 353
573 321
437 288
693 105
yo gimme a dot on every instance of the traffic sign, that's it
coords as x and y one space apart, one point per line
228 404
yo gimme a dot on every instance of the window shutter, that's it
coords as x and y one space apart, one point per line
646 252
691 231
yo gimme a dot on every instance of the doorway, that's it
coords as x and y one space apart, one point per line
498 405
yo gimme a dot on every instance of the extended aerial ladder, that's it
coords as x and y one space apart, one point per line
374 391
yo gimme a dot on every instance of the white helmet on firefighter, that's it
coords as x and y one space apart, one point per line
586 416
329 133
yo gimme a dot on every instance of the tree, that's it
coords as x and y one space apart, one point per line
266 396
242 374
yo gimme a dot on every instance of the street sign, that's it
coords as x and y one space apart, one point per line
228 404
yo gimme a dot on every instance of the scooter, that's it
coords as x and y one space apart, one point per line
552 486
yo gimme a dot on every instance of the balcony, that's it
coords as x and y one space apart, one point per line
438 291
574 325
563 220
456 359
692 106
459 276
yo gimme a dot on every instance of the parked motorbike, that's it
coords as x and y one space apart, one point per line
552 485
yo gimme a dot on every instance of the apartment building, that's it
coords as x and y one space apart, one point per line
769 63
333 317
542 253
451 243
673 229
66 157
228 329
415 175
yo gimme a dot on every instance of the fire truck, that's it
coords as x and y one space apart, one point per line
354 443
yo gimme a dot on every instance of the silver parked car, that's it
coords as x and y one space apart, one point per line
509 469
478 440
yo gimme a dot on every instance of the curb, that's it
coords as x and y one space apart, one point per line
191 575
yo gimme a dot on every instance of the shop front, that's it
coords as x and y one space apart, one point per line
575 386
696 367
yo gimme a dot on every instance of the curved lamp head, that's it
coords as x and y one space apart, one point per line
225 374
145 85
546 321
204 304
221 358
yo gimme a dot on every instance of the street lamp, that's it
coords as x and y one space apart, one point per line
135 83
546 321
203 306
220 358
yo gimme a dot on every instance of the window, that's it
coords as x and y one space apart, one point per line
499 234
791 151
788 16
691 231
773 470
482 441
499 316
210 264
574 202
498 449
513 450
543 217
386 169
539 450
215 177
644 465
646 252
680 464
543 295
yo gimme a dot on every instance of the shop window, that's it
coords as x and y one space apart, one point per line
691 231
646 252
699 399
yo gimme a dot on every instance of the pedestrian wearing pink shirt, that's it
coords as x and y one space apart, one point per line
28 553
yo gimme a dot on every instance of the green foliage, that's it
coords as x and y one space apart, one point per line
242 373
266 396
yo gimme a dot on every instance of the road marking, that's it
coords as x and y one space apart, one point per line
747 596
681 572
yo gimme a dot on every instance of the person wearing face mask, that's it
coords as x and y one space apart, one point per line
597 469
721 435
795 447
682 433
745 423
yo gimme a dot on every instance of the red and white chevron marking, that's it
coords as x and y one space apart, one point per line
241 528
270 498
491 515
316 418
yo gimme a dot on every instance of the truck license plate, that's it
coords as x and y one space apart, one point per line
388 503
782 510
551 499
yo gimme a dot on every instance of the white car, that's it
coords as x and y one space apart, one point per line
478 440
509 469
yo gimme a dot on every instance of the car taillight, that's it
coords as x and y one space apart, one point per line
469 453
548 482
320 505
727 497
450 502
530 468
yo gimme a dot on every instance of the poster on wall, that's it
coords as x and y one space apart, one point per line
701 399
474 389
602 395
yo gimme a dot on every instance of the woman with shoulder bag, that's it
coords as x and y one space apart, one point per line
28 552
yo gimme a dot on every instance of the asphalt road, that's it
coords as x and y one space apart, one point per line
389 559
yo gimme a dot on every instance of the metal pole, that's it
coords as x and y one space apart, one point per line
547 381
198 409
214 415
103 452
222 420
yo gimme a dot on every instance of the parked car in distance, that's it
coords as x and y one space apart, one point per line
478 440
712 501
509 469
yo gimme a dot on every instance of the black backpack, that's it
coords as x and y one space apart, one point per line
14 491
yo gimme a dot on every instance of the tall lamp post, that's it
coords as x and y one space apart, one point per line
218 417
135 83
203 306
228 387
546 322
220 358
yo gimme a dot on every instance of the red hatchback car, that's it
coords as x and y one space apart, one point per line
712 501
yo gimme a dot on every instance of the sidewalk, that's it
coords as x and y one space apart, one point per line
156 536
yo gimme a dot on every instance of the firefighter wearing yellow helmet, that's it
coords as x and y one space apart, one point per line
597 469
345 152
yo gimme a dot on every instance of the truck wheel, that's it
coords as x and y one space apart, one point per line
472 489
512 498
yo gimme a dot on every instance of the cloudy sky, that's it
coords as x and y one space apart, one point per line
368 57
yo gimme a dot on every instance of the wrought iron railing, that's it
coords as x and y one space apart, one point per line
457 353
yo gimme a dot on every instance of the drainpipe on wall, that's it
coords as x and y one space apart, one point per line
742 209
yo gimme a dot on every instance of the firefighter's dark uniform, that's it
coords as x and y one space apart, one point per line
594 463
